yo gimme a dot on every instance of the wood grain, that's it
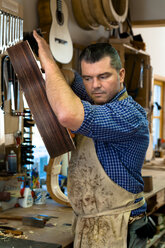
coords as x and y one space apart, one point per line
116 11
56 138
98 13
79 15
88 15
53 170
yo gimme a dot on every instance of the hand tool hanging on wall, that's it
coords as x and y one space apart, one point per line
4 33
4 80
1 31
25 156
11 24
11 86
2 121
16 93
26 162
28 122
2 141
27 141
27 146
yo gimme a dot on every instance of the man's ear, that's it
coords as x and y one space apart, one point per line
122 75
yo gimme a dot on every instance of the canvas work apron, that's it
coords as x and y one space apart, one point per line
102 208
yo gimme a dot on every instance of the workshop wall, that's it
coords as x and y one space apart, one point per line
155 46
147 10
139 10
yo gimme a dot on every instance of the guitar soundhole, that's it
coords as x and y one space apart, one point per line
60 17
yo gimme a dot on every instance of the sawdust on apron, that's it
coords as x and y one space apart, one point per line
102 208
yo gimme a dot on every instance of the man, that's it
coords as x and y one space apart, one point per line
104 180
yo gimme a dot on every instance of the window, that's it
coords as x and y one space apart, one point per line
41 156
157 112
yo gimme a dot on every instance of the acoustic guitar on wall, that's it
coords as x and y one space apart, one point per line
59 38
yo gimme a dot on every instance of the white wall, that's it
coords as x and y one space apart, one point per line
155 46
30 14
147 10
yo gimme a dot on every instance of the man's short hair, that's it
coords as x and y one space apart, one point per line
94 52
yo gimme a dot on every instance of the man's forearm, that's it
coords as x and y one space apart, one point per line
65 104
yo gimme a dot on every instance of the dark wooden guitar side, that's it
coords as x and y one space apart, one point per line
56 138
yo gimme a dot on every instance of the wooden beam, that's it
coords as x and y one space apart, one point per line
12 7
148 23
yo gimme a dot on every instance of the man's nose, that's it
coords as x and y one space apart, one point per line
96 83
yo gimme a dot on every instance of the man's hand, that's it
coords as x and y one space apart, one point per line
45 55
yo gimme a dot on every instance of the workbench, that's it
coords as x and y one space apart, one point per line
58 230
156 197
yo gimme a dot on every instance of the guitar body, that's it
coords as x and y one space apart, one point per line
88 15
116 11
59 38
98 14
81 11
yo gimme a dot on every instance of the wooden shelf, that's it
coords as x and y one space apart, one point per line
5 178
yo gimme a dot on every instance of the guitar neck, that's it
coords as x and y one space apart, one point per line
59 14
59 5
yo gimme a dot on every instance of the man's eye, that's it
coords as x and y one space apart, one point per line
87 78
104 76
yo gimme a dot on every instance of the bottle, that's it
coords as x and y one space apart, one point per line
27 200
12 162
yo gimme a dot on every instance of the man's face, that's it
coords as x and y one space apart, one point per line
101 81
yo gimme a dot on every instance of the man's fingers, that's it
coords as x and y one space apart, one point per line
44 51
36 36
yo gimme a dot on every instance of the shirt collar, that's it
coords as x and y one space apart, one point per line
119 94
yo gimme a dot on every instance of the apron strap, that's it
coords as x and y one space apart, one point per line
116 210
123 96
139 195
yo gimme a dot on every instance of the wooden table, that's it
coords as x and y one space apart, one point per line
58 230
158 177
156 197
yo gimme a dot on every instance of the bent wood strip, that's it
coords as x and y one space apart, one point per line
98 14
79 15
52 171
88 15
116 11
56 138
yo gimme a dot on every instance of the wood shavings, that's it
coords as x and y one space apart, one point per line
10 235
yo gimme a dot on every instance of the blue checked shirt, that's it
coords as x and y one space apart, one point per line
120 133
